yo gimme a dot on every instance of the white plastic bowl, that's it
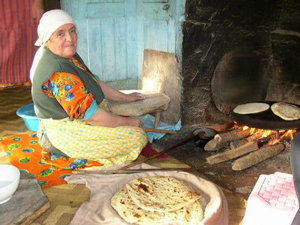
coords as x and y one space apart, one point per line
9 181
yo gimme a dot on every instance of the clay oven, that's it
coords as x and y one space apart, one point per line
236 52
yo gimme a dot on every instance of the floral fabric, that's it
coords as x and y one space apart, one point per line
70 92
25 153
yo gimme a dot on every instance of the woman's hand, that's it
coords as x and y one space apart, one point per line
107 119
134 122
135 96
114 95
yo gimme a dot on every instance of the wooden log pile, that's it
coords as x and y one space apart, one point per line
241 146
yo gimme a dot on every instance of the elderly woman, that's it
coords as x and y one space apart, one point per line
69 100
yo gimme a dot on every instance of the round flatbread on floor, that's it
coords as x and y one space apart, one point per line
131 213
194 213
155 193
251 108
161 194
286 111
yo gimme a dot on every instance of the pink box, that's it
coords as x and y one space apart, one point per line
273 200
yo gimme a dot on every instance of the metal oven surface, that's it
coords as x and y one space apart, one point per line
265 120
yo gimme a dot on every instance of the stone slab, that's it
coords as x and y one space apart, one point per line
27 203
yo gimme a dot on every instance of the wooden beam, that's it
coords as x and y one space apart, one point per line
232 154
258 156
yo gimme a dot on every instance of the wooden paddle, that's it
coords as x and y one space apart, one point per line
146 129
128 171
158 154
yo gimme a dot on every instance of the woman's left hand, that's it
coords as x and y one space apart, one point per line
135 96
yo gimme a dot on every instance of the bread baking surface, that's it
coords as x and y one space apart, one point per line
158 200
286 111
251 108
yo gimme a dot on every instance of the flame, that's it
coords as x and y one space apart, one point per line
289 134
275 135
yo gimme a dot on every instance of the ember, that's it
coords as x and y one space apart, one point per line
249 145
275 136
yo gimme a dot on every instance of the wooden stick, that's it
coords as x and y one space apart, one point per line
258 156
213 145
158 154
146 129
232 135
231 154
131 170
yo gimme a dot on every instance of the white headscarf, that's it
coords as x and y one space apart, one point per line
48 24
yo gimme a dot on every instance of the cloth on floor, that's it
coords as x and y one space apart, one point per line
149 121
14 85
24 152
274 198
148 151
98 209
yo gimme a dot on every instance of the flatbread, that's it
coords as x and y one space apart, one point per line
194 213
161 194
131 213
190 214
251 108
286 111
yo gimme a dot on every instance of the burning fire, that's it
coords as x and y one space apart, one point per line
273 136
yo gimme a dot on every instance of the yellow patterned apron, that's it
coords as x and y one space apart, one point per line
109 146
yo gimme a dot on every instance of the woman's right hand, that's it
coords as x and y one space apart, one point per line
134 122
107 119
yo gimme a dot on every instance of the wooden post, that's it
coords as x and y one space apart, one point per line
238 143
258 156
213 145
232 135
157 118
231 154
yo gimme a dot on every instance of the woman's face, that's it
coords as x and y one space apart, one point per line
63 41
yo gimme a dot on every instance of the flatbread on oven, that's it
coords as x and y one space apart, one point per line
251 108
187 211
286 111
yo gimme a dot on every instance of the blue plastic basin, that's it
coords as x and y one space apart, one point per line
28 115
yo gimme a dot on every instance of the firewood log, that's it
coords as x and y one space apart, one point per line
232 135
257 156
232 154
238 143
213 145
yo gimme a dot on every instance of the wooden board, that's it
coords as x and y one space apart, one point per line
161 73
27 203
152 102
